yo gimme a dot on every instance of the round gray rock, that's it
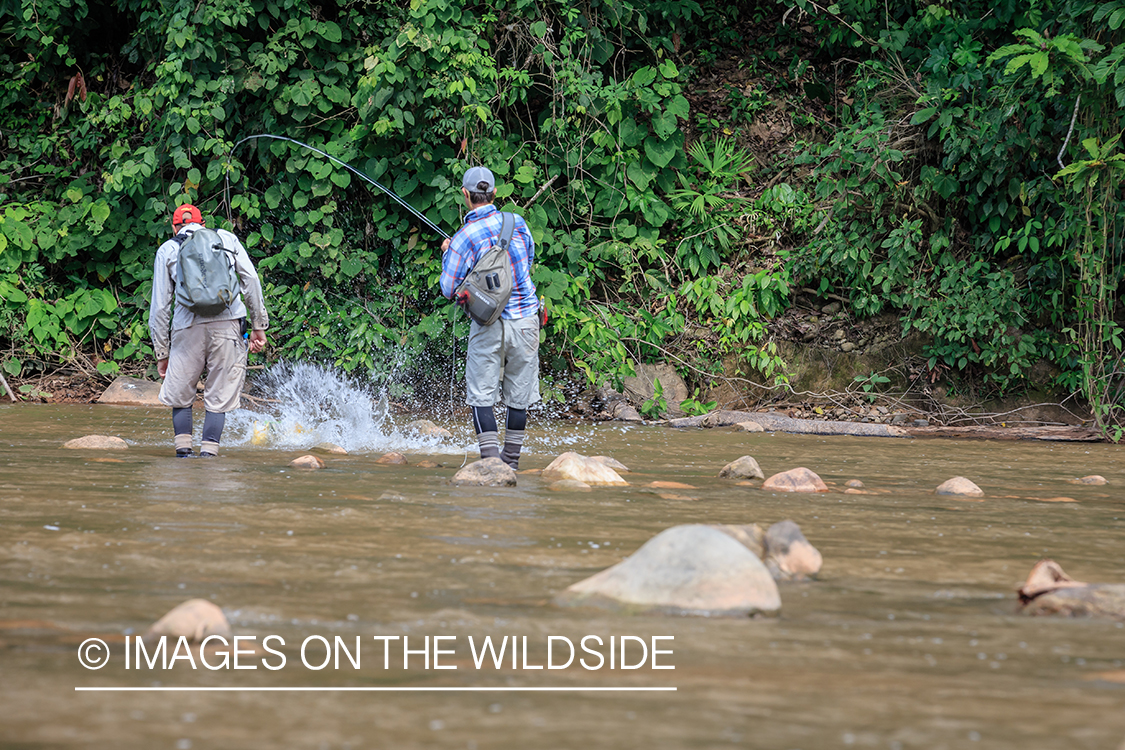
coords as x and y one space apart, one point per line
488 472
684 570
742 468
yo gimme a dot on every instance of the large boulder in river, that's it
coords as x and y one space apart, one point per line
581 469
959 487
686 570
612 463
1050 591
488 472
795 480
195 619
97 443
131 392
745 467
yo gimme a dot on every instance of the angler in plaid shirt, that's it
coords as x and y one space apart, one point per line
511 344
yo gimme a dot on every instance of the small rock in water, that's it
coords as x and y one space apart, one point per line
684 570
97 443
329 448
659 485
749 427
789 555
742 468
308 461
569 485
427 464
488 472
427 428
575 466
1092 479
392 497
394 458
623 412
195 619
795 480
855 483
959 486
612 463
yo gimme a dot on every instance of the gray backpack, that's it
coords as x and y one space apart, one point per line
206 279
489 283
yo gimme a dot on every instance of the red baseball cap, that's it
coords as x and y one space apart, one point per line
187 214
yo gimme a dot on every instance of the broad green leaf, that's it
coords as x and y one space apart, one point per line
660 152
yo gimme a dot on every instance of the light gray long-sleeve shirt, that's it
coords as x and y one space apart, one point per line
164 292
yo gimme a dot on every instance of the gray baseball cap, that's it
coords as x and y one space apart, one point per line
477 175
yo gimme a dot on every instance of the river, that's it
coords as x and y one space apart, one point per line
909 639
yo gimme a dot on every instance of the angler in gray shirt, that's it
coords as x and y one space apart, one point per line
197 342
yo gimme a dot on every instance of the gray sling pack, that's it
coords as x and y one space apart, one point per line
489 283
206 279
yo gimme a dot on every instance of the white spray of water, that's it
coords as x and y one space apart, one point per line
309 404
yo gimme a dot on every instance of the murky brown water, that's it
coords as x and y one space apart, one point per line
908 640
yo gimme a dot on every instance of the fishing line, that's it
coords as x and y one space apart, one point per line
343 164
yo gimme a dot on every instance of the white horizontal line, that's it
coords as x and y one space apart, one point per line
372 689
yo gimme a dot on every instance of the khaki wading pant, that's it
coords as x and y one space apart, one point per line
503 363
220 348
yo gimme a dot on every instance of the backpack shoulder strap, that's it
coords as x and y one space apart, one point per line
181 238
507 228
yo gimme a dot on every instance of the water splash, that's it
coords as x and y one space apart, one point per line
303 404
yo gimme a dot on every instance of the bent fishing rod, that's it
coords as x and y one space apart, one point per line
333 159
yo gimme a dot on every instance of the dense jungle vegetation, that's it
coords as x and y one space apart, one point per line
957 164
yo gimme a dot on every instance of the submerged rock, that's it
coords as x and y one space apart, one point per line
307 461
394 458
1050 591
795 480
96 443
488 472
329 448
427 428
686 570
195 619
960 487
789 555
612 463
582 469
131 392
854 484
1092 479
569 485
742 468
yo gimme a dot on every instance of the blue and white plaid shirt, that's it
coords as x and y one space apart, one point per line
479 233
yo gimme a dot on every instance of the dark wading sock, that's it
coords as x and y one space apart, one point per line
213 424
513 437
181 428
488 437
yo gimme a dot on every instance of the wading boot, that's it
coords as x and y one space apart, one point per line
513 443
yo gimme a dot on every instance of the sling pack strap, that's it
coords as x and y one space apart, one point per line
487 287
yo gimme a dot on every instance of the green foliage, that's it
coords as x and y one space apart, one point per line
871 383
692 406
654 407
